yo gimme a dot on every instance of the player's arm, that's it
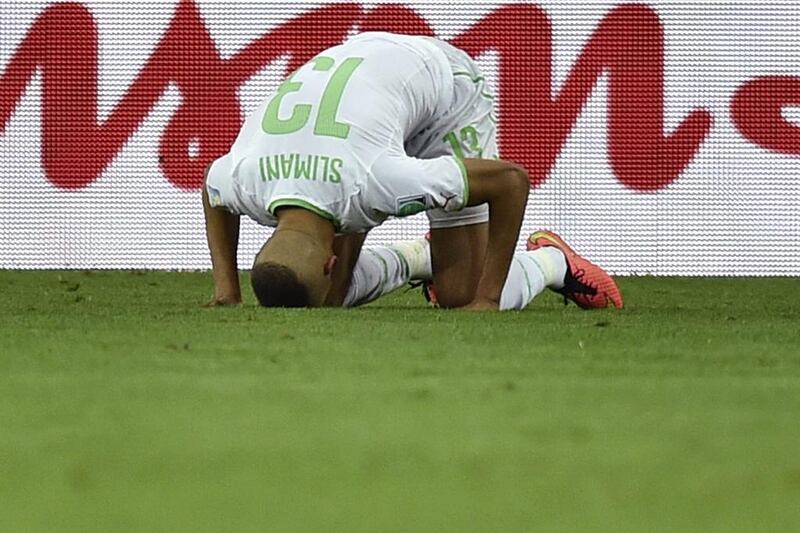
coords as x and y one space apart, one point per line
504 186
346 249
222 232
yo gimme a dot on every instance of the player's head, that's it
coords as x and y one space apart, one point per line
277 285
291 270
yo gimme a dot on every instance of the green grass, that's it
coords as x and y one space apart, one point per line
125 406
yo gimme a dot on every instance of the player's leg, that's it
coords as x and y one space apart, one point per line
347 249
531 273
550 262
548 265
458 240
579 280
383 269
363 274
457 257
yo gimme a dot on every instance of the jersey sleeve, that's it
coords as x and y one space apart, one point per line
220 187
403 186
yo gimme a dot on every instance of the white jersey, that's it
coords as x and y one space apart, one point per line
345 136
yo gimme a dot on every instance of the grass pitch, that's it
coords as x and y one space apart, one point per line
125 406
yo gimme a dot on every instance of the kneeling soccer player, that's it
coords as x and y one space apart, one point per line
382 125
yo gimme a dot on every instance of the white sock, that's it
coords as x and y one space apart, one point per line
383 269
530 273
553 264
417 255
378 271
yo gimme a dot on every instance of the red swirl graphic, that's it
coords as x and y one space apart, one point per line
628 45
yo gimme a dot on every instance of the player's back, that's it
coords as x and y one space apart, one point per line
372 88
320 134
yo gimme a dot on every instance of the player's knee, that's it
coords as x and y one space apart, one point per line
519 179
452 297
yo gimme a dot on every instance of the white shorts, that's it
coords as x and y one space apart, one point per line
469 128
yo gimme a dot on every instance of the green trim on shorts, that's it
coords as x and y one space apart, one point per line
465 176
295 202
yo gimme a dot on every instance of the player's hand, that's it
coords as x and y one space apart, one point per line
481 304
223 301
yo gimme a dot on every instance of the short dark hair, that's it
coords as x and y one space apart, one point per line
277 285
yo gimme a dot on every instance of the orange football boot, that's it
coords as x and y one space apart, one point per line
586 284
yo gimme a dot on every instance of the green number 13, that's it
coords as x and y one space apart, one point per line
326 123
